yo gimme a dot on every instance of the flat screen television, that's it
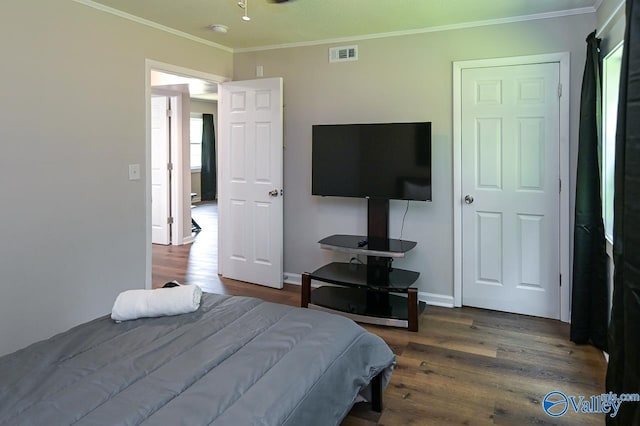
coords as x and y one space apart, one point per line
379 160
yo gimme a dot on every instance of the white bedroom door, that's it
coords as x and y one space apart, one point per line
510 189
160 184
250 116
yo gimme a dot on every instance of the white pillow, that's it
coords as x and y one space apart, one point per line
134 304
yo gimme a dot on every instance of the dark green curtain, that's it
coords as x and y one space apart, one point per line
208 175
623 373
589 299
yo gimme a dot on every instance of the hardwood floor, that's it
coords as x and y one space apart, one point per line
465 366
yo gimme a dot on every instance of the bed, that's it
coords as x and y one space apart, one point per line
235 361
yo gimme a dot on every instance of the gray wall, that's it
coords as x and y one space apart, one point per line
196 186
396 79
73 118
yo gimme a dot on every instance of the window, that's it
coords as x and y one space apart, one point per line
610 88
196 142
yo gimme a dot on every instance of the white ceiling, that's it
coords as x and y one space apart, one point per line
309 21
198 89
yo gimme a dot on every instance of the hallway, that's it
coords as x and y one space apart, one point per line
195 263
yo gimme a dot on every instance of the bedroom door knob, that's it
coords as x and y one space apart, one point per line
273 193
468 199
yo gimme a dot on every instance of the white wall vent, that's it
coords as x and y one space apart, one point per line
343 53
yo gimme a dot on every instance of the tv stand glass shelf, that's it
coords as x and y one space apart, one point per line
365 292
360 244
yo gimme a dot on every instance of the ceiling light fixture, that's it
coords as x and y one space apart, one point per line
219 28
244 4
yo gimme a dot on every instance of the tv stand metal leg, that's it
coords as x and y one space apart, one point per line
305 296
412 309
376 393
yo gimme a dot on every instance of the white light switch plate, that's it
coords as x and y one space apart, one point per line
134 171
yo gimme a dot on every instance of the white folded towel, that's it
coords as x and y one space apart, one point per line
133 304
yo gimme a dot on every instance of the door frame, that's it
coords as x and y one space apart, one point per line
178 169
564 237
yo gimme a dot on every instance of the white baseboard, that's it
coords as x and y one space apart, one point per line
436 299
188 240
428 298
291 278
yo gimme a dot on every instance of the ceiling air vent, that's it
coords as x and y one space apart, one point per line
343 53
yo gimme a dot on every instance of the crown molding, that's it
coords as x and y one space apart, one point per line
152 24
464 25
610 19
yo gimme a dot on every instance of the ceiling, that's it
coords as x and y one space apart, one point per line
198 89
309 21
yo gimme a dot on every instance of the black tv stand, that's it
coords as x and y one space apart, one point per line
372 292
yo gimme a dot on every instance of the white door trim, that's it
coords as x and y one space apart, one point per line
176 180
178 70
563 58
162 147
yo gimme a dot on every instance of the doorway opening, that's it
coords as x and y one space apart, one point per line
189 93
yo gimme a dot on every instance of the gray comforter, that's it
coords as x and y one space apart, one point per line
235 361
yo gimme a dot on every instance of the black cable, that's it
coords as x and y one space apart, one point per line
403 218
